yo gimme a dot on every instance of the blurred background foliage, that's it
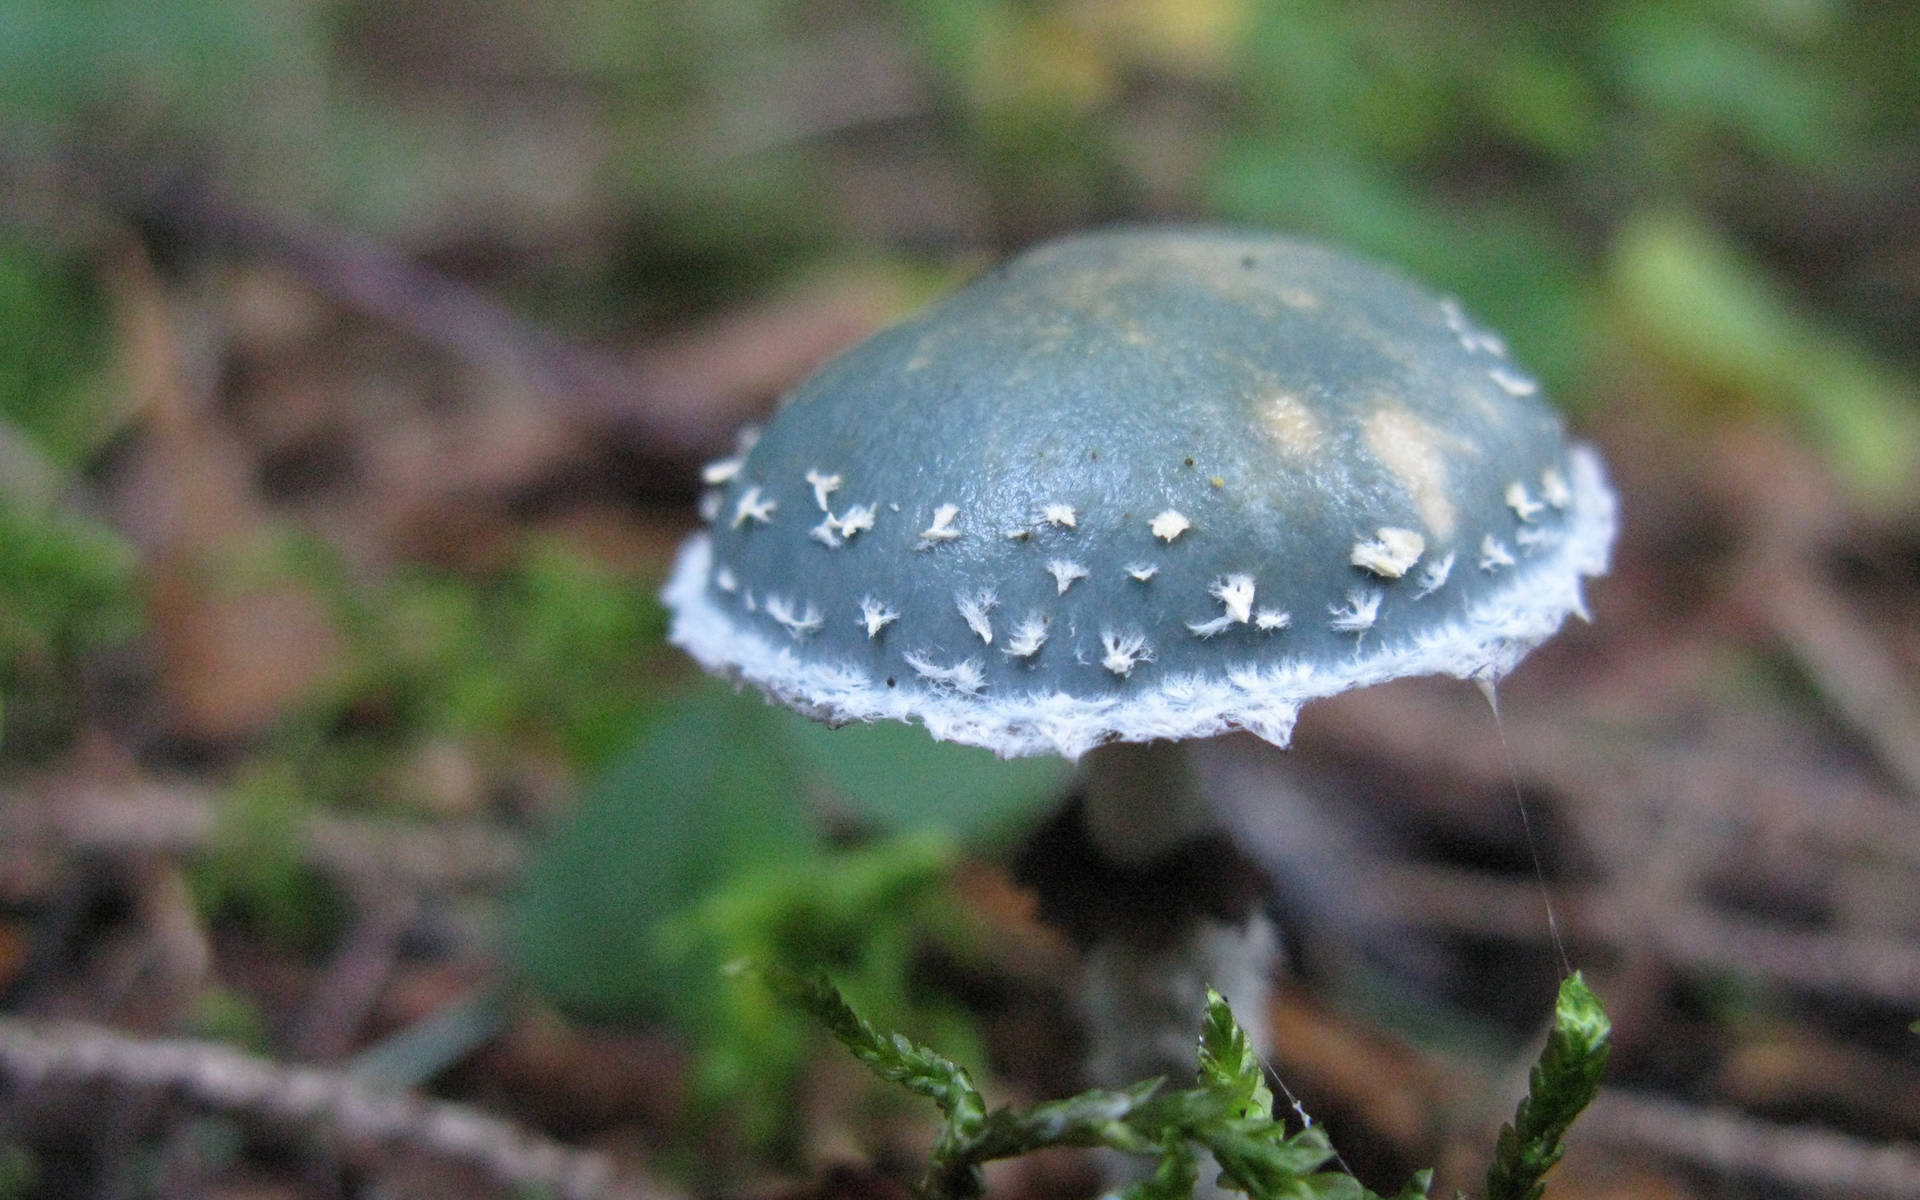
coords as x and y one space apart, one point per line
1706 205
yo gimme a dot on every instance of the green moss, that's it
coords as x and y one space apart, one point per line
67 589
256 872
53 344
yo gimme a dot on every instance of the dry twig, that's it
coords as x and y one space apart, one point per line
1795 515
154 817
1691 936
1731 1145
351 1112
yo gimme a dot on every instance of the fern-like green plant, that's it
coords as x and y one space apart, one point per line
1228 1114
1560 1086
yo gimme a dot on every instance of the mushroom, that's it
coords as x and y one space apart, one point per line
1138 486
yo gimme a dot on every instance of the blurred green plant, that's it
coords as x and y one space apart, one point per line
123 61
225 1015
701 796
1354 114
1559 1088
255 871
1229 1115
699 847
553 646
53 345
868 913
68 584
1711 313
250 88
893 777
550 658
68 587
1483 147
1699 73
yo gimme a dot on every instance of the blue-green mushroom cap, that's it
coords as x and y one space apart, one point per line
1142 484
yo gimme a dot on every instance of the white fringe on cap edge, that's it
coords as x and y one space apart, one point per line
1263 699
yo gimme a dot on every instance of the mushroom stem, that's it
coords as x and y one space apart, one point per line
1143 1003
1175 909
1141 801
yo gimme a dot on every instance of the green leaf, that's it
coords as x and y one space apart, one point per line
863 911
255 868
955 1168
1417 1186
703 797
1701 78
53 343
1261 1160
1228 1063
1562 1084
1228 1114
68 587
696 850
893 1058
66 584
1710 311
896 777
1174 1176
1092 1118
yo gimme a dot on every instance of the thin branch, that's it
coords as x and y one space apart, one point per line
155 817
1851 666
1794 514
1742 775
1691 936
678 397
662 398
34 1055
363 274
1732 1145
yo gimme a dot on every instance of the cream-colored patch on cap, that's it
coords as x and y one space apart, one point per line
1416 454
1290 423
1390 553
